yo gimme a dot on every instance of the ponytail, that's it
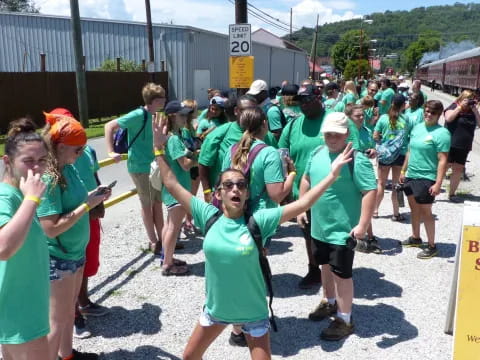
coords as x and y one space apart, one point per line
393 115
20 131
239 160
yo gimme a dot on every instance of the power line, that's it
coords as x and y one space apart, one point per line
263 19
270 16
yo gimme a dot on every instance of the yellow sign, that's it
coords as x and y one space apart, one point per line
241 71
467 319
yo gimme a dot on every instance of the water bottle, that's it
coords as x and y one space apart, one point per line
399 194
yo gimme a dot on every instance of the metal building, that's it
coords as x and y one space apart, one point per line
196 59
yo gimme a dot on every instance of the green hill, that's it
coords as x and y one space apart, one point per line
396 30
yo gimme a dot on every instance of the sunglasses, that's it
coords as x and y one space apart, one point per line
228 185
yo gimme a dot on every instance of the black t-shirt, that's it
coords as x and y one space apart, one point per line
462 129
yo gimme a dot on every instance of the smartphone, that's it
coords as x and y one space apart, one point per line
103 190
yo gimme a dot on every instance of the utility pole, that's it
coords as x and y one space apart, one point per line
314 49
291 15
360 55
151 54
241 16
79 63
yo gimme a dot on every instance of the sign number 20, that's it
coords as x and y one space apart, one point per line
240 46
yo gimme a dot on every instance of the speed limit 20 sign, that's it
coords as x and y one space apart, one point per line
240 40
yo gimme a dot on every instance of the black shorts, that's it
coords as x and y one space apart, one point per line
339 257
419 189
398 161
458 156
307 230
194 173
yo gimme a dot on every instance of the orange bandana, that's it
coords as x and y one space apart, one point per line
66 130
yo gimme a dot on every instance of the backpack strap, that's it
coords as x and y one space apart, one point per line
141 129
212 221
252 154
256 234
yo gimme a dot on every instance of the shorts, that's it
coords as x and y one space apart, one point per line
398 161
458 156
419 189
194 173
339 257
61 268
172 206
147 194
307 230
92 253
252 328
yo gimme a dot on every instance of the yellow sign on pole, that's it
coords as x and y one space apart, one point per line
241 71
467 319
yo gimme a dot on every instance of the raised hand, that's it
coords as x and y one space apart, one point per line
159 129
342 159
32 185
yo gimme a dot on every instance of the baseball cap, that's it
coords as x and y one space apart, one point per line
257 87
176 106
398 100
308 90
332 86
290 89
62 111
217 100
403 85
335 122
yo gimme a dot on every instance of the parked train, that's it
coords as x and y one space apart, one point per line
453 74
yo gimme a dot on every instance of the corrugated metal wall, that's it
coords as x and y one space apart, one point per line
23 37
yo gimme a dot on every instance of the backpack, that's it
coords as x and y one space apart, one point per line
389 151
283 119
255 232
120 139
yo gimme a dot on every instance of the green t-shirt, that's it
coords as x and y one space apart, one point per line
329 105
414 117
274 116
265 169
24 279
354 135
425 144
364 92
234 284
87 166
140 154
301 137
338 210
387 96
205 124
175 150
292 112
384 128
349 98
59 200
367 118
339 107
217 143
365 139
378 95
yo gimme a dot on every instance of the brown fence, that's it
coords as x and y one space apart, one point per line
109 93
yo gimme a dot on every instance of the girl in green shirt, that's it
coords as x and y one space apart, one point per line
23 247
235 292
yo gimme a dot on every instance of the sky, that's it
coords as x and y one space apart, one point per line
215 15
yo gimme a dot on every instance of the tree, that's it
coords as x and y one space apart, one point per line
354 67
429 40
348 48
18 6
125 66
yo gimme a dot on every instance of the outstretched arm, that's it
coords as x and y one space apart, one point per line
310 197
169 180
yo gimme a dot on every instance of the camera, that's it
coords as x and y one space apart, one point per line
472 102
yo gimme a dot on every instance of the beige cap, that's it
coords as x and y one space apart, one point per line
257 87
335 122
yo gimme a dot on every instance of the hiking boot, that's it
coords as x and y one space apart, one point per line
237 340
411 242
323 310
80 330
337 330
373 246
313 277
93 309
428 252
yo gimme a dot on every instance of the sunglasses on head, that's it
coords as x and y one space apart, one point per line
228 185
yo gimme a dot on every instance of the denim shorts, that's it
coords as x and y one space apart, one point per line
60 268
252 328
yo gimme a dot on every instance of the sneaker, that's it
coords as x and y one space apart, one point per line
237 340
323 310
313 277
428 252
93 309
361 246
80 330
337 330
77 355
373 246
411 241
455 199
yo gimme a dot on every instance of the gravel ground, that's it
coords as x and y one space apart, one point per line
399 307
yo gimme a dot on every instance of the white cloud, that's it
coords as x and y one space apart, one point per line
206 14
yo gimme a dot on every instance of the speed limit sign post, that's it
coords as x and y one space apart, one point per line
240 40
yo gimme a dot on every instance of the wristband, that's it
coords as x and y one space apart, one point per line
33 198
402 172
208 191
292 172
112 154
159 152
87 208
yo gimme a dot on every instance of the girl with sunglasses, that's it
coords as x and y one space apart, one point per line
23 247
64 219
233 296
422 174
